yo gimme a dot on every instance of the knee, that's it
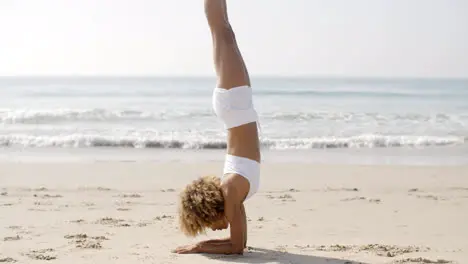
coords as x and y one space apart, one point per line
223 33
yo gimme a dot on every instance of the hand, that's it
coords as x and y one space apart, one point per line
190 249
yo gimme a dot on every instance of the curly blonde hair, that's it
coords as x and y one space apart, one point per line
201 204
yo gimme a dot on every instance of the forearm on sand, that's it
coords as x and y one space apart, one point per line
215 241
218 246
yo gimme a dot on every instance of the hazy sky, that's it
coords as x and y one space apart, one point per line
423 38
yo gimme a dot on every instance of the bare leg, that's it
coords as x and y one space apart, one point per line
230 68
229 64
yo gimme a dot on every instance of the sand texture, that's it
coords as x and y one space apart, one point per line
125 212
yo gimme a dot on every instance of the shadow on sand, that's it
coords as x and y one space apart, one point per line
260 256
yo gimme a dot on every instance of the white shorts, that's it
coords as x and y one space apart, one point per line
247 168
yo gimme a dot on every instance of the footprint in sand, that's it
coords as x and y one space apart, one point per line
380 250
47 196
391 250
41 189
43 203
159 218
143 224
86 242
329 189
89 205
42 254
103 189
133 195
112 222
19 230
7 260
14 238
37 210
431 197
125 203
3 194
77 236
414 192
361 198
333 248
423 260
79 221
286 198
99 189
283 198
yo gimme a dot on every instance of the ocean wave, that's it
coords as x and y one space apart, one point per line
365 141
96 141
52 116
361 93
89 115
347 116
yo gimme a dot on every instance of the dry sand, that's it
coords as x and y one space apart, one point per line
125 212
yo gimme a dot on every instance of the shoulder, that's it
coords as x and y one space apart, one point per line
235 188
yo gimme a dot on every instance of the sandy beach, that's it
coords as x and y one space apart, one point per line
125 212
109 109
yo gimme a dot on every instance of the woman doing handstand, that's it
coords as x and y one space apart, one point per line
218 203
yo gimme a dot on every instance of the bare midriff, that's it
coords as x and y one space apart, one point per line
242 141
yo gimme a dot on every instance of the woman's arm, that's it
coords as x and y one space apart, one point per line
216 241
226 247
235 244
214 246
235 214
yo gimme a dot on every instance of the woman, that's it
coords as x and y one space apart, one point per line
211 202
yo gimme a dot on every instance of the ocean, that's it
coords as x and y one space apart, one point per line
316 117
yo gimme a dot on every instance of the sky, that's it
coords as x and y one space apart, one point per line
363 38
